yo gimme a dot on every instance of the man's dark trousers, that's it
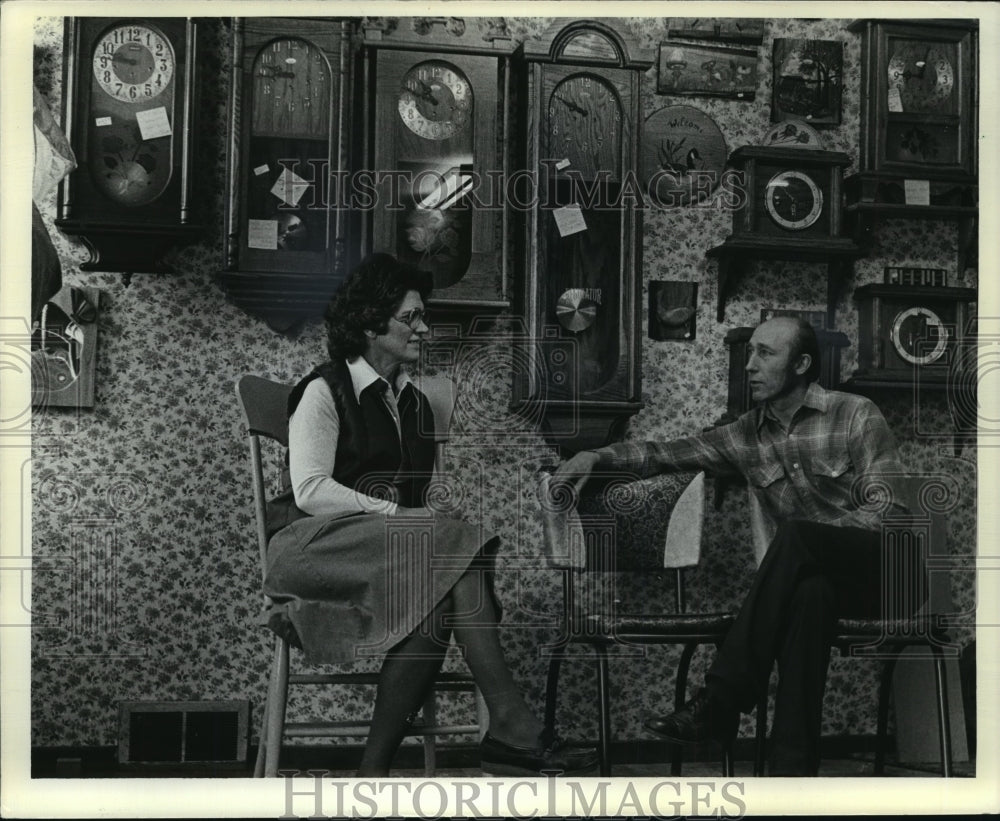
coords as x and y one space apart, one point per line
812 575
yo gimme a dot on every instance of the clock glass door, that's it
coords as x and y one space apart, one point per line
926 100
288 158
581 231
131 127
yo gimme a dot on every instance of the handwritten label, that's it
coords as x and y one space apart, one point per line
290 187
569 220
563 163
261 169
262 234
100 121
153 123
917 192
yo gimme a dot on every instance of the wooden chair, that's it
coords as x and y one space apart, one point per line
264 405
603 541
895 634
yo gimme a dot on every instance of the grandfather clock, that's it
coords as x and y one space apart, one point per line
580 233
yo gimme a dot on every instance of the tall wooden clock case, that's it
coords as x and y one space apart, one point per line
581 236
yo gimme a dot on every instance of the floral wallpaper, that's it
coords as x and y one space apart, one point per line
147 582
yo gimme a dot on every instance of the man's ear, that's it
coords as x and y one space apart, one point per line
803 363
370 333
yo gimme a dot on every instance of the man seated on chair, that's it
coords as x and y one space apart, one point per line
817 461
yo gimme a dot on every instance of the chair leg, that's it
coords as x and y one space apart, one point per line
604 704
944 720
429 712
277 696
680 691
258 767
552 691
882 725
760 738
728 769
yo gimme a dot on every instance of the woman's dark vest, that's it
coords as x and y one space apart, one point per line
370 457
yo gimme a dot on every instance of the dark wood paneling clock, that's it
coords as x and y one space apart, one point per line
128 108
437 117
286 219
581 246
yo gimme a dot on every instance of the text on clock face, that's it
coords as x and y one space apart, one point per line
133 63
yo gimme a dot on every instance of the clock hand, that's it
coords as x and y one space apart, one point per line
425 92
119 59
572 106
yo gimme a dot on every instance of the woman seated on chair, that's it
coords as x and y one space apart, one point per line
332 570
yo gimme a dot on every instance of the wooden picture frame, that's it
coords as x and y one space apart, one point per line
692 69
744 30
807 80
64 350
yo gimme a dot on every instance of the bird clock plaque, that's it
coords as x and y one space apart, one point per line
128 110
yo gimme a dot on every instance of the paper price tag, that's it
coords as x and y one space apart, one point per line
153 123
895 100
261 169
563 163
102 121
262 234
569 220
917 192
290 187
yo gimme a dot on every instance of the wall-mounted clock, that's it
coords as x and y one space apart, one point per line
789 208
437 119
919 98
903 328
286 225
128 110
581 241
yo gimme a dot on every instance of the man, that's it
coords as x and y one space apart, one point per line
813 459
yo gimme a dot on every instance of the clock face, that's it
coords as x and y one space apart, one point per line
435 101
133 63
921 76
584 125
793 200
919 336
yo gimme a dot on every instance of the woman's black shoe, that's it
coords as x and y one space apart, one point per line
552 756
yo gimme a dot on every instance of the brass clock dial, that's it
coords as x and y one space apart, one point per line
922 74
918 335
133 63
793 200
435 101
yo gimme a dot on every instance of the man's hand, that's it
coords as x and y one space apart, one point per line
577 469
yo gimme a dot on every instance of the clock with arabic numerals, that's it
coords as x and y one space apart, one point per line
128 109
581 236
920 98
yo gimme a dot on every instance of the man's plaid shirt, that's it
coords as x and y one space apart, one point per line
835 464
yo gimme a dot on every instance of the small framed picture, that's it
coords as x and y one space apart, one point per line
710 71
808 79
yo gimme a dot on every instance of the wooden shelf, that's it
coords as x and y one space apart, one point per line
736 253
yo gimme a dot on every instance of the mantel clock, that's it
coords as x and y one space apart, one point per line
581 236
128 110
286 227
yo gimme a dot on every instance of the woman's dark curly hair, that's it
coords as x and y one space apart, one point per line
367 300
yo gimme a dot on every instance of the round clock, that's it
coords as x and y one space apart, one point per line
793 200
435 100
923 74
133 63
912 332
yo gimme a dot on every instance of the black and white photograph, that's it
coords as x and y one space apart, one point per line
481 416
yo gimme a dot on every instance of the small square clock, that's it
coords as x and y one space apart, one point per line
789 193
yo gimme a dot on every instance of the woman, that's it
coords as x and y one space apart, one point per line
331 571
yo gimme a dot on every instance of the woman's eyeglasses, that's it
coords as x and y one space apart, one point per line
414 318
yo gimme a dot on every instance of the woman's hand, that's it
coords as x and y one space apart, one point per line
577 469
